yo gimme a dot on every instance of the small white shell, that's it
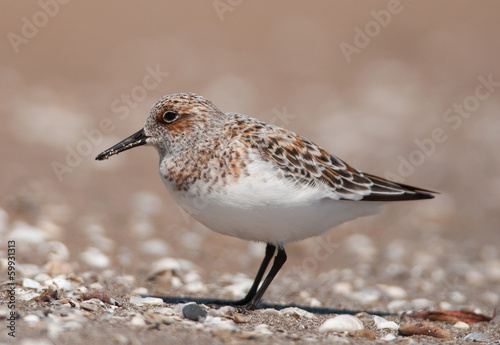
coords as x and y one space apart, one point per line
31 284
95 258
341 323
461 325
297 312
382 323
136 300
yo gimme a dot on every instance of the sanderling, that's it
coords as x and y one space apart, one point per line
245 178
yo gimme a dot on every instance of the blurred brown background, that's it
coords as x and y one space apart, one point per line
394 88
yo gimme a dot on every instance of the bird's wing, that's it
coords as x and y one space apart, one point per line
304 162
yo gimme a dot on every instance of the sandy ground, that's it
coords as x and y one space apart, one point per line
404 90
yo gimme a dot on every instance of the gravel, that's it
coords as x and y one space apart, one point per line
63 291
194 312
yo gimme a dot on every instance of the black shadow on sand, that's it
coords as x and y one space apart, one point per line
262 305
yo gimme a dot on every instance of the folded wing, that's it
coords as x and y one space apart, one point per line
302 161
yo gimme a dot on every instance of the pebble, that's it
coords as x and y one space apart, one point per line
216 323
26 233
31 284
23 295
28 270
263 329
137 300
297 312
165 311
364 333
138 321
314 302
95 258
461 325
195 287
425 328
364 316
421 303
60 284
140 291
457 297
56 268
398 305
395 270
93 304
367 296
101 295
238 318
194 312
342 288
227 310
125 281
341 323
70 302
478 337
55 251
31 319
171 267
103 243
79 290
270 312
388 337
445 305
96 286
176 282
158 318
239 285
382 323
223 311
155 247
394 292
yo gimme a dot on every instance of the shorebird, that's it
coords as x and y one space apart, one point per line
255 181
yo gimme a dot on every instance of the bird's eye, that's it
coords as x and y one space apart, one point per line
170 116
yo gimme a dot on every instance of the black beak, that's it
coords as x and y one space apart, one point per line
136 139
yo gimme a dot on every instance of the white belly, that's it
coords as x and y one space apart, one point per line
264 208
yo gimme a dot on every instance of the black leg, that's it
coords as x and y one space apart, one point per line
270 248
279 260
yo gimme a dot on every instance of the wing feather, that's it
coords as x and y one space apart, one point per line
301 160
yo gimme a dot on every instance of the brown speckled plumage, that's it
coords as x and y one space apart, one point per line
210 146
205 145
